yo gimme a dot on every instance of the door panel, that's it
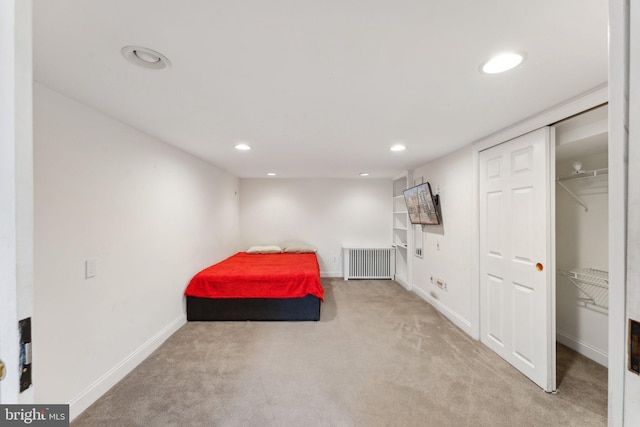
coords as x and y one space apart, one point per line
522 161
494 168
522 342
523 235
496 323
494 231
515 231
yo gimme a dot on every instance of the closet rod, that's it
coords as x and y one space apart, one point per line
584 174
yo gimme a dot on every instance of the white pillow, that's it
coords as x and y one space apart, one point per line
265 249
298 248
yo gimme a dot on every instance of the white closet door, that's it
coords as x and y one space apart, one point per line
517 295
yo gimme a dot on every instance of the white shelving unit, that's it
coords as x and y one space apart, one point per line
400 229
593 285
401 232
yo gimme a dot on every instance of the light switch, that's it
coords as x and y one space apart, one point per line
90 268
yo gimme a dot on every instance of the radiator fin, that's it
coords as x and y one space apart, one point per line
369 263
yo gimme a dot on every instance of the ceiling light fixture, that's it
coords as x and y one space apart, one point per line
243 147
398 147
146 58
271 174
503 62
364 174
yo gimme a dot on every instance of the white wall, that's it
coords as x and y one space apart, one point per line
327 213
149 214
582 241
452 177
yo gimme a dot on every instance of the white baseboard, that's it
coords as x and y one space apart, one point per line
118 372
450 314
402 283
585 349
331 273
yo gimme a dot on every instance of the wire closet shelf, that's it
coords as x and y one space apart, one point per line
593 285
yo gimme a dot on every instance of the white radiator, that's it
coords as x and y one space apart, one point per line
369 263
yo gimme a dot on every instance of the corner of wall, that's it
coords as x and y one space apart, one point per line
99 387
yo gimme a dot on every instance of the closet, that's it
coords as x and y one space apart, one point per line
582 282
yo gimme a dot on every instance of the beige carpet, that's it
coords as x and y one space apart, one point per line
380 356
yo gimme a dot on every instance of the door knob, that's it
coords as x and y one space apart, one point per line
3 370
539 267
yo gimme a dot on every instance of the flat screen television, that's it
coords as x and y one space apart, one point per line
422 205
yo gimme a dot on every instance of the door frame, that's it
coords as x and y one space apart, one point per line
16 187
623 97
8 190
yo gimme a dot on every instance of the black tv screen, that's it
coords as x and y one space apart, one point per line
422 205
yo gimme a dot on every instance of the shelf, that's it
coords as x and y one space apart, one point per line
401 237
592 283
584 174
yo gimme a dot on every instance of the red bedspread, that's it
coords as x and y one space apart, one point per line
259 276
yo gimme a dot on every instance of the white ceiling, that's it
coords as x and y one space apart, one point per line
320 88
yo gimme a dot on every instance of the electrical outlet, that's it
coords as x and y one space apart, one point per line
437 246
441 284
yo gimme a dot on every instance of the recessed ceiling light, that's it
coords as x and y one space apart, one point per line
243 147
271 174
146 58
398 147
364 174
503 62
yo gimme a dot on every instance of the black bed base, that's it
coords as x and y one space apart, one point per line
296 309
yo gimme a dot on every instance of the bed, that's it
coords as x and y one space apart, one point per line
257 286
